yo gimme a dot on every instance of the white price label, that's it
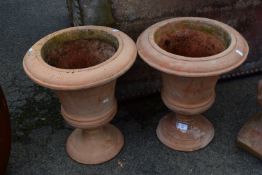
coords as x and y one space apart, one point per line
182 127
106 100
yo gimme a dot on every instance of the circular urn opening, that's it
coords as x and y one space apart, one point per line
192 38
79 49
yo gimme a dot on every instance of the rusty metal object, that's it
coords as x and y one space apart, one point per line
250 135
5 133
133 17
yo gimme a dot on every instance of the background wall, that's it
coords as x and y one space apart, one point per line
133 16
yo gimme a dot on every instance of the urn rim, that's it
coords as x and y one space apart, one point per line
73 79
233 56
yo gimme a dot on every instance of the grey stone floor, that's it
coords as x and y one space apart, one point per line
39 132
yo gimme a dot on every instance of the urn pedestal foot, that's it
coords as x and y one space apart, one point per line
250 136
94 146
185 133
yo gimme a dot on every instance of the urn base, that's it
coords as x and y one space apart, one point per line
95 146
185 133
250 136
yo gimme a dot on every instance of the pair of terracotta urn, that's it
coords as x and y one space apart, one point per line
81 65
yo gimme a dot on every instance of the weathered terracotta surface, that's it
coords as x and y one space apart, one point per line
189 43
250 135
81 65
5 133
80 53
189 79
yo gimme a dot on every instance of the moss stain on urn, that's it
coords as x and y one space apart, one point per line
58 40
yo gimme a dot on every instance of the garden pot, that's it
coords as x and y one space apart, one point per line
190 53
81 65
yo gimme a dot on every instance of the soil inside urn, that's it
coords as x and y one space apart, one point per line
191 41
80 53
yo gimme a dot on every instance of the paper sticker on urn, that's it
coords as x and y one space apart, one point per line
190 53
81 65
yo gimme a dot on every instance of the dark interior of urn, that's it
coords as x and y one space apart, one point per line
192 38
79 49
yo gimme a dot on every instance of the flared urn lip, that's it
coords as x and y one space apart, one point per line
233 56
72 79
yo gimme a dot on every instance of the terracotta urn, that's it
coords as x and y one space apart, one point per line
81 65
191 53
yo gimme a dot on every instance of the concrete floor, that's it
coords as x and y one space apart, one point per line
39 132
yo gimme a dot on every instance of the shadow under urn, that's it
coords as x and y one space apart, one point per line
190 53
81 65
